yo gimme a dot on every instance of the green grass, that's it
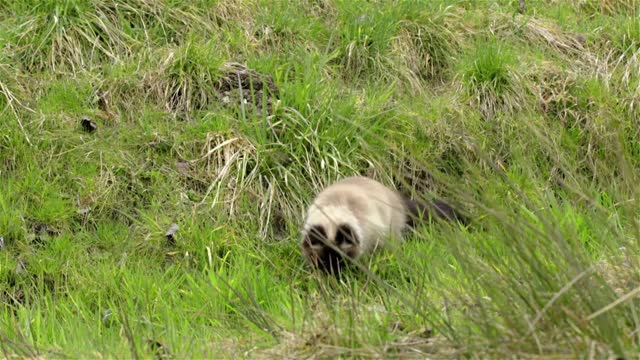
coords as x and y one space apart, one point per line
528 121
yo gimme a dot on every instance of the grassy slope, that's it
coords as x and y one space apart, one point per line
529 120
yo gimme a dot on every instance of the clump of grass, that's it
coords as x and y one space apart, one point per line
364 37
622 46
490 77
314 153
235 19
9 97
607 7
552 87
218 172
562 261
549 35
286 24
67 35
425 42
186 79
488 65
585 110
71 35
626 35
11 93
571 99
411 42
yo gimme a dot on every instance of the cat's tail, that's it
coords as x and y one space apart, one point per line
425 211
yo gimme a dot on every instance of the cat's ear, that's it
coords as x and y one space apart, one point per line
346 236
316 237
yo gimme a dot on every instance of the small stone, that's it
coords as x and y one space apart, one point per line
88 125
182 167
170 234
397 326
20 267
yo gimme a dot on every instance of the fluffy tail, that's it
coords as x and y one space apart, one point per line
423 212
